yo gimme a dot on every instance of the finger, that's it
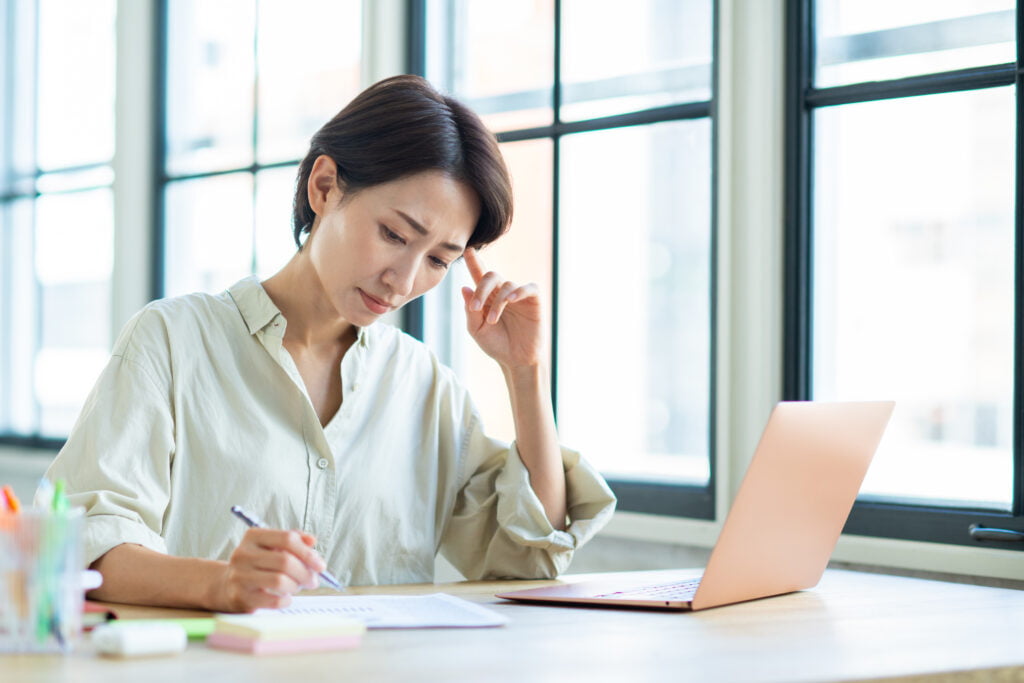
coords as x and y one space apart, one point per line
499 301
260 599
252 578
287 564
476 267
487 285
281 551
250 600
273 601
467 296
474 319
528 291
291 541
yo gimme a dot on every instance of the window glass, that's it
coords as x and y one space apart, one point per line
522 255
300 89
73 264
619 57
75 83
209 233
300 63
274 241
5 314
634 277
210 76
18 97
19 317
914 286
497 56
873 40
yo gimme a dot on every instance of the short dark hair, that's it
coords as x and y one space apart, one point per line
401 126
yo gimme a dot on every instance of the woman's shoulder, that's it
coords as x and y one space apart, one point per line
162 323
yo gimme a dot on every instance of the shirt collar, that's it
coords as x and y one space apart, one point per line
258 309
253 302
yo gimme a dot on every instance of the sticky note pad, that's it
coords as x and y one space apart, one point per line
287 626
285 633
257 646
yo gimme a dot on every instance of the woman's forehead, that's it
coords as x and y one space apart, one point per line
430 202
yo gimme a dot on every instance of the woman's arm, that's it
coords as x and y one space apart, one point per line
264 570
537 438
506 321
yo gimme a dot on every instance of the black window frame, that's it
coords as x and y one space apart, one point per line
676 500
879 518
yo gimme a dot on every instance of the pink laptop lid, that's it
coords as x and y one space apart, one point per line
794 500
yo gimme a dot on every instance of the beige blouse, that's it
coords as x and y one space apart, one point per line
202 408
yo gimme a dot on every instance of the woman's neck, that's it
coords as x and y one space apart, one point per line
298 293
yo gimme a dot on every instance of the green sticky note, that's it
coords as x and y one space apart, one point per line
196 629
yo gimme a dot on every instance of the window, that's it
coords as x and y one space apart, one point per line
604 118
56 210
242 100
904 250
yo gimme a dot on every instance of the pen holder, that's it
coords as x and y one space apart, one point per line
41 593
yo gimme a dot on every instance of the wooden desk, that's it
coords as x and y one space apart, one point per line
853 626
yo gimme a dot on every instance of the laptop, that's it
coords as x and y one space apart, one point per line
784 523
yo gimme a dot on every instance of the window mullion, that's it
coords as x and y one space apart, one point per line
1018 369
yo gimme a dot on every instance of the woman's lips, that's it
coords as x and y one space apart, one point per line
375 304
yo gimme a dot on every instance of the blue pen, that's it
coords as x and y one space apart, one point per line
254 521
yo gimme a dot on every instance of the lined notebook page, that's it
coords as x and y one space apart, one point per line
438 610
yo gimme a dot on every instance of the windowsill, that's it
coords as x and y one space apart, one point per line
24 457
949 562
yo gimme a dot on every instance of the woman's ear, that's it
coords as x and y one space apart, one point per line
323 178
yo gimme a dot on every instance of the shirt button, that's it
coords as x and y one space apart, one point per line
322 463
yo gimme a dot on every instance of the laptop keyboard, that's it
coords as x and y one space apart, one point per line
680 590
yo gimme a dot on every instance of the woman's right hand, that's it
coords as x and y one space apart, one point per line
266 568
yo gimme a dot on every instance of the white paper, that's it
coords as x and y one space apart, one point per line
438 610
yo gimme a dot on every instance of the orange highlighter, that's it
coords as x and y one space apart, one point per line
9 500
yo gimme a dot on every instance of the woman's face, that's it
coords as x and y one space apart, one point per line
388 244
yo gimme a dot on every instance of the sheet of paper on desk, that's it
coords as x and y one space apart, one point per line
438 610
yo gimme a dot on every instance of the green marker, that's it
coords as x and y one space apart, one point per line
60 500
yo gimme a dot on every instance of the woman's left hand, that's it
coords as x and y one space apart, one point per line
505 319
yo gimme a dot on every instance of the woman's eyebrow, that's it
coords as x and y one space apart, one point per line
415 225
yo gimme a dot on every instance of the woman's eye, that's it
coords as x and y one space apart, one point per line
391 236
438 263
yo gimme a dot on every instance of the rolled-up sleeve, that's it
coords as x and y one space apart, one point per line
117 460
499 528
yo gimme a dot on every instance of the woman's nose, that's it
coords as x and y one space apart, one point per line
399 277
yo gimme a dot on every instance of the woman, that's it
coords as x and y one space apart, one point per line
360 451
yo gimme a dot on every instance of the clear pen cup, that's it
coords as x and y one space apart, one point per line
40 581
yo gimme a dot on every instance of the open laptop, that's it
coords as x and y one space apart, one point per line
784 523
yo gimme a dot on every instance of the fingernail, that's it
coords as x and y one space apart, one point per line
493 317
476 305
